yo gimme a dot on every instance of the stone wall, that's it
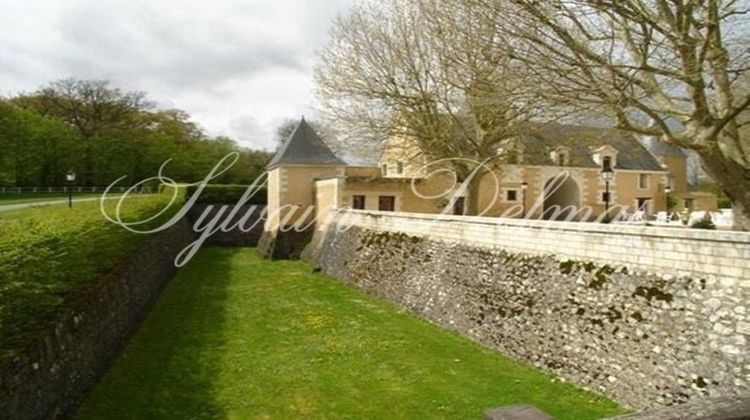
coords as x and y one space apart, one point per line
722 408
717 255
284 243
234 237
621 310
50 379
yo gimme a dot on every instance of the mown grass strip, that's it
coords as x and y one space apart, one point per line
234 336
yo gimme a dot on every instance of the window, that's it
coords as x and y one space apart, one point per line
399 168
387 203
358 202
513 157
607 162
643 181
511 195
384 170
458 206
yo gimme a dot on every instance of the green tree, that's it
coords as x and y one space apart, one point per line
95 109
37 150
104 134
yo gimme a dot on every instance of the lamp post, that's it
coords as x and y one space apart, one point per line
524 187
667 191
607 175
70 177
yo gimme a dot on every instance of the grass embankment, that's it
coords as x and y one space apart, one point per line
228 194
50 255
234 336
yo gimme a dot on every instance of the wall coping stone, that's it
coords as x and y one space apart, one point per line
703 254
621 229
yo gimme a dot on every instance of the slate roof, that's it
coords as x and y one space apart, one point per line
659 148
582 141
305 147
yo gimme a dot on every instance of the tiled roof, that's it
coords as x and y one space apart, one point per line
305 147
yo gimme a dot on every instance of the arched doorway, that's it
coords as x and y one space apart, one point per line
562 198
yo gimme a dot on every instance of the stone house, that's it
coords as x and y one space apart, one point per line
307 175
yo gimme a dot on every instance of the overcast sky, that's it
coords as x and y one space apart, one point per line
238 67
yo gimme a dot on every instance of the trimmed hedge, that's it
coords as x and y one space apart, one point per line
50 255
724 203
227 194
704 224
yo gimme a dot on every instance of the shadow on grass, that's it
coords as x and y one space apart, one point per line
235 336
170 367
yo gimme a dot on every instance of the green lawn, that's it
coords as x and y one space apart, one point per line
234 336
6 214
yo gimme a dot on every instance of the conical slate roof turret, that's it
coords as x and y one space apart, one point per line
304 147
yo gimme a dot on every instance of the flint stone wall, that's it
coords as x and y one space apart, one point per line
50 379
246 234
643 335
722 408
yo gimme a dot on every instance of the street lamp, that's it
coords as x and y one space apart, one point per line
71 177
607 175
667 191
524 187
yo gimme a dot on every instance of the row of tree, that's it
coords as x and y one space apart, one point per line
103 133
465 77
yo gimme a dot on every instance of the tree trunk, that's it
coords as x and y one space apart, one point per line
734 180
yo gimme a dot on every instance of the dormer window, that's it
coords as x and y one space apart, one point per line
561 156
399 168
513 157
606 157
512 151
384 169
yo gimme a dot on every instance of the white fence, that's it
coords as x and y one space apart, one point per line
41 190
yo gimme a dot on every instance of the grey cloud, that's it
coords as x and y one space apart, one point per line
247 130
236 66
159 46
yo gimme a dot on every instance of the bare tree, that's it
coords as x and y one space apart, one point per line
284 130
663 68
91 106
428 70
